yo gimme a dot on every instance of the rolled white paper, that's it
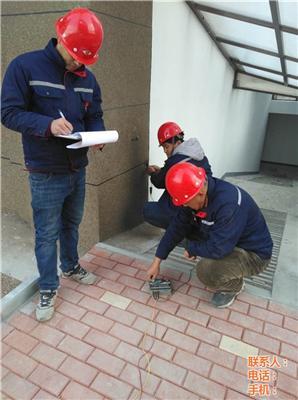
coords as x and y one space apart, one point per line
92 138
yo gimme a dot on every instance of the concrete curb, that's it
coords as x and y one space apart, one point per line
25 290
18 296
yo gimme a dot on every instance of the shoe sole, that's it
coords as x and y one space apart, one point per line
88 281
41 318
85 281
228 304
50 310
232 301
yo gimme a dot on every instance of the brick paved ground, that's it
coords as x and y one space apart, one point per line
101 340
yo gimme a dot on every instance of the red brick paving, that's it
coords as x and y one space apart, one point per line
94 350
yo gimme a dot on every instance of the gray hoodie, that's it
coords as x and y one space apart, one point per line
191 148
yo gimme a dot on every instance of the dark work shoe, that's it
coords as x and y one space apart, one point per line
225 299
45 308
80 275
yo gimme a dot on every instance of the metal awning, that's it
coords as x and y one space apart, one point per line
258 38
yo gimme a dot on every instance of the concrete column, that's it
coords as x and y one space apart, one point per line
116 183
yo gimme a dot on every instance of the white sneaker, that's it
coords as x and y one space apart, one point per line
81 275
45 308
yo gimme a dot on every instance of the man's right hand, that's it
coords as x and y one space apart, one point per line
61 126
154 268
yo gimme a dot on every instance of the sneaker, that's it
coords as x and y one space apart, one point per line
45 308
225 299
80 275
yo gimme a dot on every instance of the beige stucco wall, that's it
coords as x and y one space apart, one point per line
116 183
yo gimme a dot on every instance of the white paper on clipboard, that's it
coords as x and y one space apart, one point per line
86 139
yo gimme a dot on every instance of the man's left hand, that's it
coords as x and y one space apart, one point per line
188 256
99 147
152 169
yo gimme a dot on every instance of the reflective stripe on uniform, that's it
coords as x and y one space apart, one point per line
84 90
207 222
57 86
239 196
48 84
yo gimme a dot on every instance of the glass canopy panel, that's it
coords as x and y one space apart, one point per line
290 44
293 82
263 74
245 81
288 11
253 57
243 32
259 10
292 67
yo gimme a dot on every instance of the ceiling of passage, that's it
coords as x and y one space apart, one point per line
258 38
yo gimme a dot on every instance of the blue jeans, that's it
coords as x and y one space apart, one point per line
160 213
58 204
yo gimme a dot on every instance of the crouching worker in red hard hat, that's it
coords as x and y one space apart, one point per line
47 93
171 139
234 239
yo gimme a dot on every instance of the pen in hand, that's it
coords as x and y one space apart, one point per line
61 114
61 126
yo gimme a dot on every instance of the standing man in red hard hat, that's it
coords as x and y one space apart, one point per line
47 93
171 138
234 239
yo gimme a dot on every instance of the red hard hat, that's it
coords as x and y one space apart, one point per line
184 181
167 131
81 33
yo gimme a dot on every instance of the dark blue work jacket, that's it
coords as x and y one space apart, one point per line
158 178
35 87
230 219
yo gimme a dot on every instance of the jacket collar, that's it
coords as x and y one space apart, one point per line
55 56
211 187
203 212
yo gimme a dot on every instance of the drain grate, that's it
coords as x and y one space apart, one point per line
276 223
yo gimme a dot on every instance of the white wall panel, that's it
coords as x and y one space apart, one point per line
191 84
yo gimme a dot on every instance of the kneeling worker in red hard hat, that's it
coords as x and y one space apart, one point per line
234 240
171 138
47 93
